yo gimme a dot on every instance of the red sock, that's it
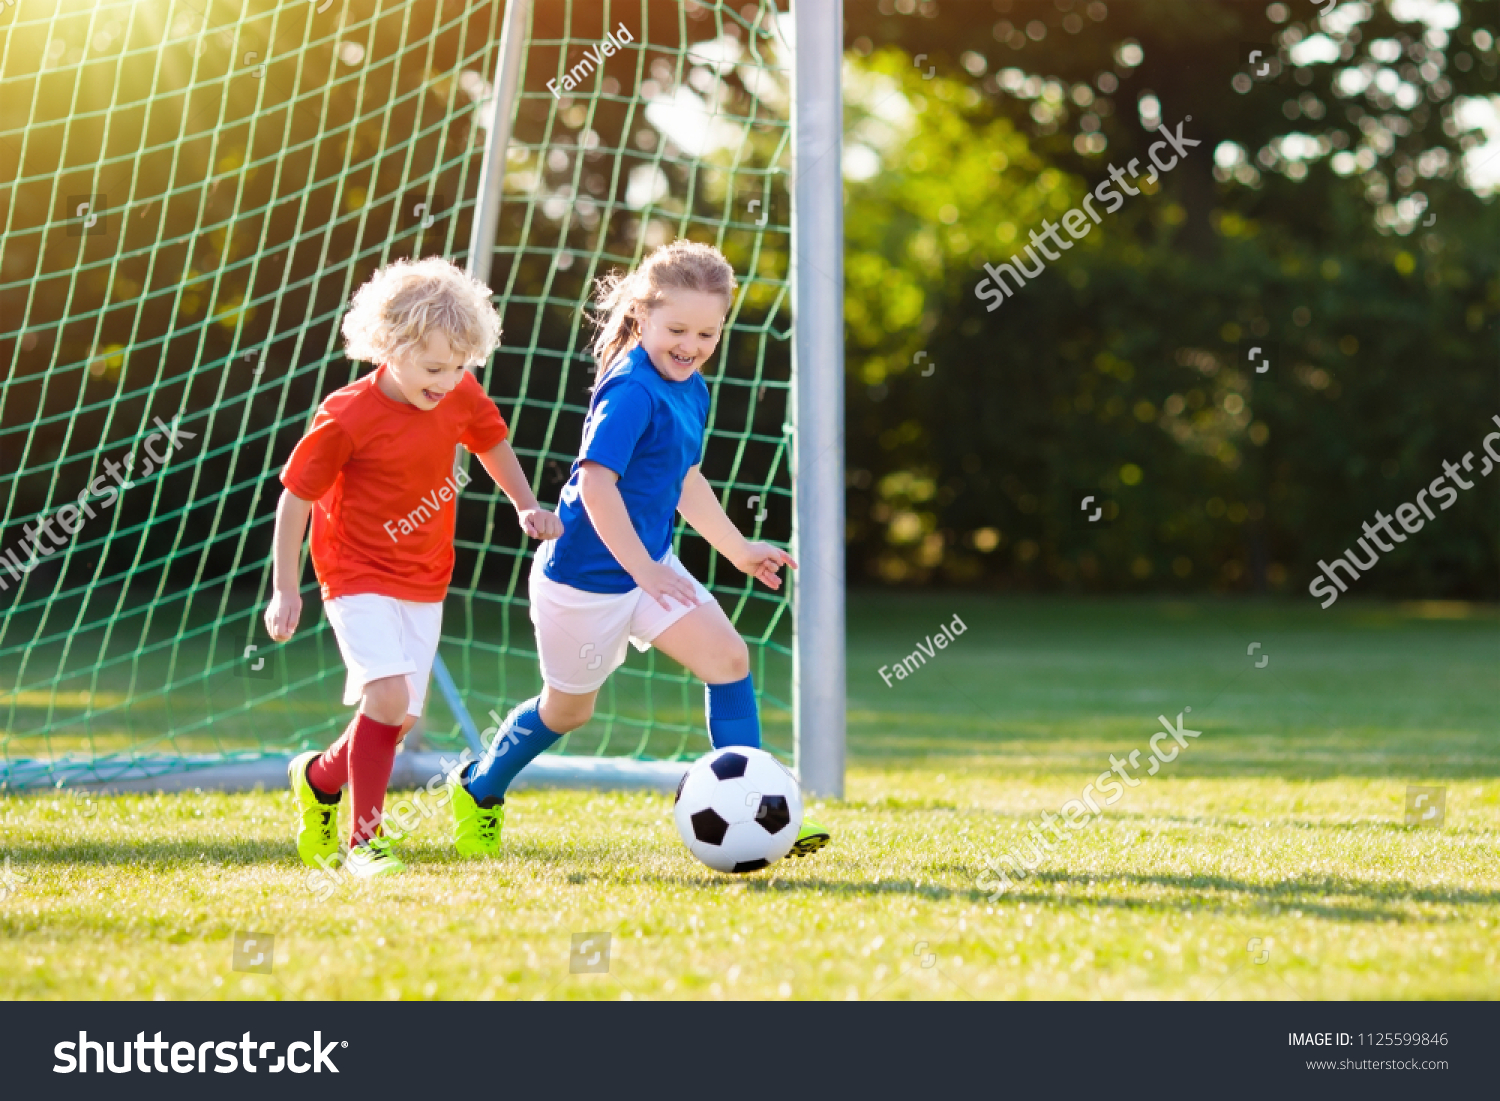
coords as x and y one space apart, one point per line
330 772
372 752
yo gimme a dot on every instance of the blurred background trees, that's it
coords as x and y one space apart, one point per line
1339 214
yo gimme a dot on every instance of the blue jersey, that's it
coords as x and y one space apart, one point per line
649 431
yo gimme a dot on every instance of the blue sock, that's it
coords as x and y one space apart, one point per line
733 718
522 736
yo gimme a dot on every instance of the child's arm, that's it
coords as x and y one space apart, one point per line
285 609
700 507
505 468
606 509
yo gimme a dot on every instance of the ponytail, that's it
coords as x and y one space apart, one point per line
618 327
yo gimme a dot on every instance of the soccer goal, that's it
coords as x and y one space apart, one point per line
191 194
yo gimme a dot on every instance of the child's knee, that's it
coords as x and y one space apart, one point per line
572 718
563 713
736 661
385 700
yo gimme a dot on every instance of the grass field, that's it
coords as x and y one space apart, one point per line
1268 860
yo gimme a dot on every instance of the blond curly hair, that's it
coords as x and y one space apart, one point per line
391 315
621 298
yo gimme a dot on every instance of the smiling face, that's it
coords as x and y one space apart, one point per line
681 334
424 377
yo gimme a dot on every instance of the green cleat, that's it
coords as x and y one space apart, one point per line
372 858
476 829
317 834
810 838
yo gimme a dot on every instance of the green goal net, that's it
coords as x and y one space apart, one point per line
192 191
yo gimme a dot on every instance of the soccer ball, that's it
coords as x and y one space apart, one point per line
738 809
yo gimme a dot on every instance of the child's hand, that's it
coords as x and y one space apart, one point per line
763 562
661 581
541 524
282 614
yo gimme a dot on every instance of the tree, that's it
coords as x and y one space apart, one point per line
1119 372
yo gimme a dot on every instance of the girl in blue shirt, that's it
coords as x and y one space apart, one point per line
611 579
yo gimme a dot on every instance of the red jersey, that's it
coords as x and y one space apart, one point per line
382 474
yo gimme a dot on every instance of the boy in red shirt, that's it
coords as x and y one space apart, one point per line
376 473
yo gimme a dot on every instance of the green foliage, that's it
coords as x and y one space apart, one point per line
1120 372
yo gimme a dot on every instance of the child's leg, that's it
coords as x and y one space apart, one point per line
706 643
565 711
388 647
530 729
581 639
372 752
330 772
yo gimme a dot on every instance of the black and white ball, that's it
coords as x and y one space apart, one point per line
738 809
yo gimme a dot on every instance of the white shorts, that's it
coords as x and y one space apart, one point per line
581 637
381 636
